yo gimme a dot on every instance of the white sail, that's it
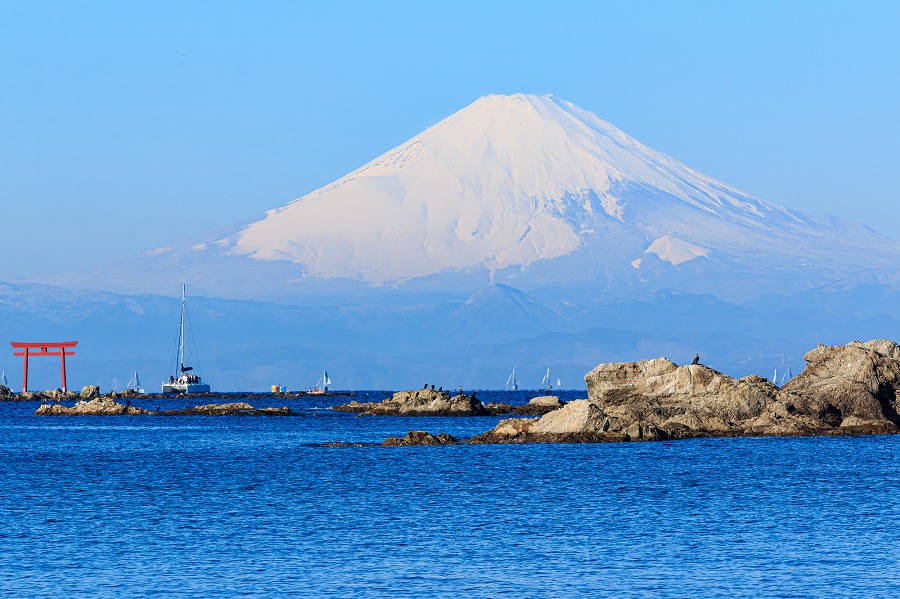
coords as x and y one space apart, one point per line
323 383
511 384
135 383
545 382
3 380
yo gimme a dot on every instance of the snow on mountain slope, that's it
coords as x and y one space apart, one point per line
530 191
513 180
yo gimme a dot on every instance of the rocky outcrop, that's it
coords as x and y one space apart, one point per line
855 384
6 392
107 406
538 406
90 391
420 438
229 409
422 402
849 389
100 406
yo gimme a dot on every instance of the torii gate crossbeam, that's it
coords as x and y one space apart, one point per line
61 348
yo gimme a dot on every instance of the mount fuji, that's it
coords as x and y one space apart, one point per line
530 191
521 230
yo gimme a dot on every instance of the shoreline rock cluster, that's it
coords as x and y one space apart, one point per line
845 390
428 402
104 405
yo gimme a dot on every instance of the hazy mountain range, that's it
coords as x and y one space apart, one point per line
520 231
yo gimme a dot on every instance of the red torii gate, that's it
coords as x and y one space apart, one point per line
59 346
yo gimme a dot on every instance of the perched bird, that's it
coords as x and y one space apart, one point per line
696 359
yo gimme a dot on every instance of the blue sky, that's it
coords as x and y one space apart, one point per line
129 125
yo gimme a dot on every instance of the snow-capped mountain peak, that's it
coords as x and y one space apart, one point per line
505 182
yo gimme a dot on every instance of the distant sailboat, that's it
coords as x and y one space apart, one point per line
135 384
511 384
3 380
321 387
182 381
545 382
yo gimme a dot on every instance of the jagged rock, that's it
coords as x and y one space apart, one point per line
858 383
579 421
6 392
422 402
90 391
100 406
420 438
849 389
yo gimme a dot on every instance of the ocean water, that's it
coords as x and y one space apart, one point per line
256 507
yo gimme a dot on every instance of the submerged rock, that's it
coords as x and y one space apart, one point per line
422 402
420 438
229 409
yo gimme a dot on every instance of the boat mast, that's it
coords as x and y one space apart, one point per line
181 336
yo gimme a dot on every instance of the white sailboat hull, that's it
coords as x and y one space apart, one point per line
170 388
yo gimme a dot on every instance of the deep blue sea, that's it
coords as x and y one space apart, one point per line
255 507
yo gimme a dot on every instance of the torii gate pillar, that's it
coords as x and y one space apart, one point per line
59 346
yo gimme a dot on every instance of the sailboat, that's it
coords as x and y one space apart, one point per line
545 382
511 384
183 381
3 380
321 387
135 384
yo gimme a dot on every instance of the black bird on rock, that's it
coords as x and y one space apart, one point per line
696 359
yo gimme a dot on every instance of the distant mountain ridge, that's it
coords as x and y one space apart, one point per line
530 191
521 231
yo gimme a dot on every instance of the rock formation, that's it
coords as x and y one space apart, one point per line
420 438
107 406
100 406
850 389
90 391
229 409
422 402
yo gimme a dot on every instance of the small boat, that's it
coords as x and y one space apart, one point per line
511 384
3 380
184 381
135 384
321 387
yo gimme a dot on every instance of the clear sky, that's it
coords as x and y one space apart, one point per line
129 125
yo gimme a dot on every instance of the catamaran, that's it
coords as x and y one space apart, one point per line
321 387
511 384
183 381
